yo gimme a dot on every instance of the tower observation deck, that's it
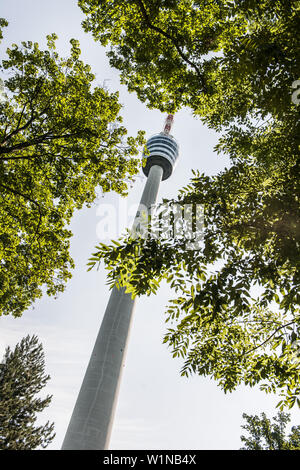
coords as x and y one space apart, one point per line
162 150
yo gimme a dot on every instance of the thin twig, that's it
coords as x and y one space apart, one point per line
271 336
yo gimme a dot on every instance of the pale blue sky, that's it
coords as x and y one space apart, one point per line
157 408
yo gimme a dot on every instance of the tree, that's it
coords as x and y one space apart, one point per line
3 24
265 435
236 312
22 377
60 138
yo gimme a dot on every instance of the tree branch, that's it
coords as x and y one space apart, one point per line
30 120
173 40
271 336
39 140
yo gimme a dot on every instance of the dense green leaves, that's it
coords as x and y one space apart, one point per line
60 138
22 377
265 435
236 311
198 53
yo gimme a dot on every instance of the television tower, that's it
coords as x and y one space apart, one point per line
92 418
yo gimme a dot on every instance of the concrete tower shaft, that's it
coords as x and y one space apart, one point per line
91 422
92 418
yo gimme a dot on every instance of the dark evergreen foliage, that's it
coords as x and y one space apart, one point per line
22 377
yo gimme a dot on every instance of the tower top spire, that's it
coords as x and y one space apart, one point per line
168 124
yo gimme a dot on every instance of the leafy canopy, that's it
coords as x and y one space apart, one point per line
235 315
22 377
61 137
265 435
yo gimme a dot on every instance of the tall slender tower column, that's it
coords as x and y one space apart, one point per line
91 422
